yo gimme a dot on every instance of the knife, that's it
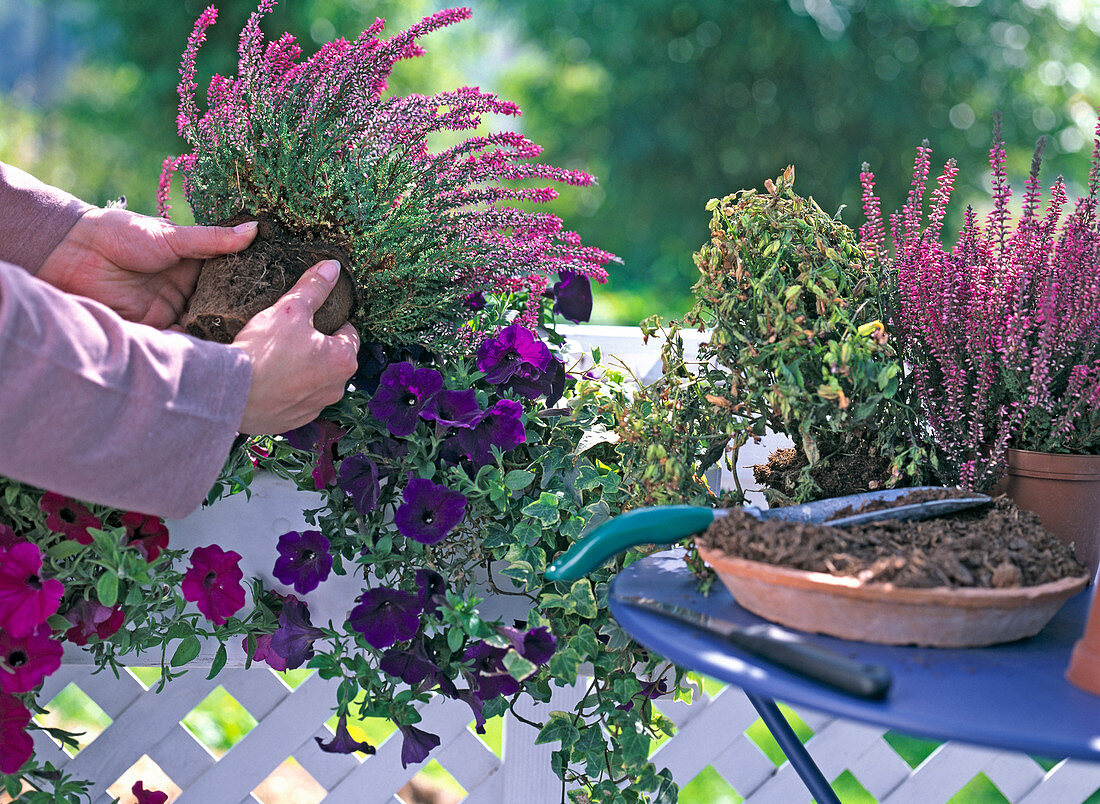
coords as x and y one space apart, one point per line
779 646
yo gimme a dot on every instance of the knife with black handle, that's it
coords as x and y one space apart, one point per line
781 647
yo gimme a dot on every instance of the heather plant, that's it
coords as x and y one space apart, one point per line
796 347
1001 330
315 145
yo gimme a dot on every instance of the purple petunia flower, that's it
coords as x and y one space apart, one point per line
342 742
213 583
490 677
513 347
411 666
430 589
304 560
385 616
358 479
296 634
573 296
532 383
143 796
454 409
403 391
499 427
319 436
90 618
266 653
429 511
146 534
475 301
535 645
416 745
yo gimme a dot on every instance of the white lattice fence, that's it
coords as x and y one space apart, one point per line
711 731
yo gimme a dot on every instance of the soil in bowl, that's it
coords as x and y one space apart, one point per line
998 547
232 288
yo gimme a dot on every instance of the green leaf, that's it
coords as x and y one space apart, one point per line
544 509
64 549
582 599
559 728
187 650
218 663
518 479
518 667
564 664
106 588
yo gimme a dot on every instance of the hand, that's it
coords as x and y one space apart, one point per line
143 268
296 371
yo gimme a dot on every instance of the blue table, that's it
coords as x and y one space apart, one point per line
1011 696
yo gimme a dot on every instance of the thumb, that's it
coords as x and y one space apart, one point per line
201 242
311 290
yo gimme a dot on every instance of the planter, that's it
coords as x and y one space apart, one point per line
887 614
1084 663
1064 490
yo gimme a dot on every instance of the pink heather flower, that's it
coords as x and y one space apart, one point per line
26 599
25 661
90 618
213 583
69 517
188 112
147 534
16 745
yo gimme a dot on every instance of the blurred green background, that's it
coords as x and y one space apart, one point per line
669 103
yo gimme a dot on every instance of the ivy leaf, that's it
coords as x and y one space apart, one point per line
187 650
581 599
544 509
106 589
518 667
559 729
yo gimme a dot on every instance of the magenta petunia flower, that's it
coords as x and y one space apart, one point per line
304 560
213 583
403 392
293 641
500 427
147 534
513 347
454 409
144 796
573 296
385 616
358 478
90 618
26 599
25 661
16 745
68 517
342 742
429 511
320 436
265 653
416 745
7 537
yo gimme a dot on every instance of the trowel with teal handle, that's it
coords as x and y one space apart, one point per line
666 524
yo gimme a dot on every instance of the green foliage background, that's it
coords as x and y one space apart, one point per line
669 103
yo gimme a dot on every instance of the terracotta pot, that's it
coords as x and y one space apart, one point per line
891 615
1064 490
1084 663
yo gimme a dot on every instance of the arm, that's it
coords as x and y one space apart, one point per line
34 218
100 409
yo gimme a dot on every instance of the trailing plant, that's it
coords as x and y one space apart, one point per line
797 346
1001 329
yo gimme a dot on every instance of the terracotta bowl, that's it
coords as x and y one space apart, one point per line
844 607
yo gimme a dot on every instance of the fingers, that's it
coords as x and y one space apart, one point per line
311 290
201 242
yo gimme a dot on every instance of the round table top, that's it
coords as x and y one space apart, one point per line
1012 696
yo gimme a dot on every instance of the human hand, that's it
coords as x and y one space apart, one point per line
141 267
296 371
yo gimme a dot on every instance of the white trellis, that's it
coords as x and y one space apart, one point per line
711 732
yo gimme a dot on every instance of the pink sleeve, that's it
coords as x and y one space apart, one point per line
104 410
34 217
